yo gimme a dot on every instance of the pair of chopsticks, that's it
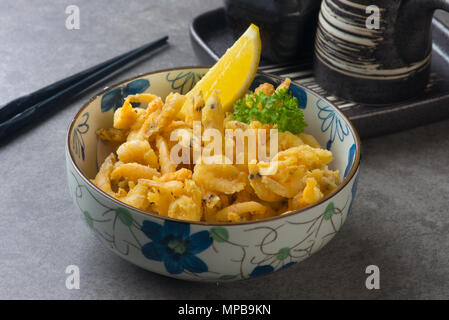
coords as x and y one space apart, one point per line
24 110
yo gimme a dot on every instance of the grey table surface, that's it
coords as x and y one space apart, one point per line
399 220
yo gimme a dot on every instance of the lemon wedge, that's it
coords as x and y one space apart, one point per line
233 74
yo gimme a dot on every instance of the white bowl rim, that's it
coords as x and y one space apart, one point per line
340 187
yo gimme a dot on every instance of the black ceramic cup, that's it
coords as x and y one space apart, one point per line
287 27
365 63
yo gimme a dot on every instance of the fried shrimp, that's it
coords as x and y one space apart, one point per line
156 166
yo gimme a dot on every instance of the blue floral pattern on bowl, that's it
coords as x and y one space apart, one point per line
331 122
114 98
267 269
301 95
183 82
173 244
351 157
77 138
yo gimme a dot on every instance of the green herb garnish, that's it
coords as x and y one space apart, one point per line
281 108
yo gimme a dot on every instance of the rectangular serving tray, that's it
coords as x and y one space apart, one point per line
211 36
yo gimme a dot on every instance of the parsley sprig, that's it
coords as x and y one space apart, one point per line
281 108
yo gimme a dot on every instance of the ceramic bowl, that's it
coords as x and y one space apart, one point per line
199 250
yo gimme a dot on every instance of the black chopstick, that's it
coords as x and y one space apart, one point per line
24 110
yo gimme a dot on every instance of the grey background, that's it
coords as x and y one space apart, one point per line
399 220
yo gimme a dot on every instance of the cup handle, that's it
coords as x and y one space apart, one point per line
440 4
414 22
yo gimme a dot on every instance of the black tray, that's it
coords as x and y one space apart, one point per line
211 37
